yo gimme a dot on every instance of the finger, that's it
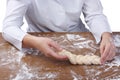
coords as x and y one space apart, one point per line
102 47
55 45
109 56
105 54
51 53
111 53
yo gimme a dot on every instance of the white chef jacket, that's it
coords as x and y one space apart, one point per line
53 16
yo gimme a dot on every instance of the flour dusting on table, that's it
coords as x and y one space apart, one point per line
21 70
117 40
115 62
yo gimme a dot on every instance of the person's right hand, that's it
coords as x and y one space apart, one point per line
45 45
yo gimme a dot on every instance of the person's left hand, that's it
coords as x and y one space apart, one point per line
107 47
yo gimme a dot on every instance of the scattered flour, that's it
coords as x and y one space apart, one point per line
76 76
12 56
115 62
117 40
73 37
24 73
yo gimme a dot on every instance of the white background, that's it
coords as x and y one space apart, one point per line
111 10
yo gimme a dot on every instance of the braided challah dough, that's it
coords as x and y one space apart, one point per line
81 59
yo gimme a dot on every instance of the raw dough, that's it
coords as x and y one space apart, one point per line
81 59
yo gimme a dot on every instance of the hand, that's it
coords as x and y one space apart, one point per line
48 47
45 45
107 47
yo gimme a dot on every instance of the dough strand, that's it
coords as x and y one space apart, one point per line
81 59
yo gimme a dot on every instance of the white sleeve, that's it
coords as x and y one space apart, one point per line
13 21
95 19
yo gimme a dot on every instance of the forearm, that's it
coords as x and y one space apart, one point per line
29 41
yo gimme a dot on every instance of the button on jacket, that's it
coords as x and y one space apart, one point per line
53 16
